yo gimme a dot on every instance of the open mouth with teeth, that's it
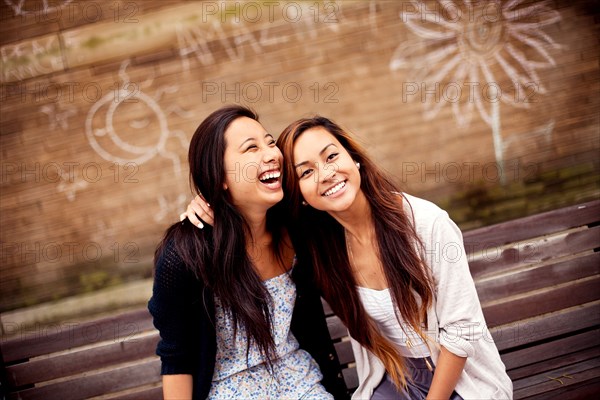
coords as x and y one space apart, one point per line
270 178
333 190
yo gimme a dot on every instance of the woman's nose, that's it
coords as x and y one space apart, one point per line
270 155
327 172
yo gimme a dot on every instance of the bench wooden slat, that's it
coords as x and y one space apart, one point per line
68 336
538 277
114 380
350 378
326 308
68 364
337 329
573 319
534 251
344 352
541 383
550 350
532 226
544 301
557 362
588 389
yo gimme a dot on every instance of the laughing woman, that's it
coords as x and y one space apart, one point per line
223 299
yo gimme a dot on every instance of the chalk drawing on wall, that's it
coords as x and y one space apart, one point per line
25 59
70 184
58 118
471 47
23 7
114 147
232 37
170 207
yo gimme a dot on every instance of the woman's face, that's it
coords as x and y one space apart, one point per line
328 177
252 166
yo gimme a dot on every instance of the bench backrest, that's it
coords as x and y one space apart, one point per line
82 360
537 278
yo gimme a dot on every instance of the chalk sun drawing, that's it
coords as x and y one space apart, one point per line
130 93
471 40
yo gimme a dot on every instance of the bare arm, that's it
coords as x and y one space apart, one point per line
447 372
177 387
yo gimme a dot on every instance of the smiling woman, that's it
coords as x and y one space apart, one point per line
413 314
230 302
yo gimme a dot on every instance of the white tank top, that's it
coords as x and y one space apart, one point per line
379 305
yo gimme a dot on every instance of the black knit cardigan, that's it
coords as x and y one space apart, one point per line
183 312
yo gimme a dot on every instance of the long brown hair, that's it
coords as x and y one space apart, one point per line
320 237
217 254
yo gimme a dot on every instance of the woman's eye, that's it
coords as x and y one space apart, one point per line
272 143
332 156
253 146
305 173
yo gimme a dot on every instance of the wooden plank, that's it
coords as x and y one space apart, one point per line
542 327
549 350
337 329
344 352
350 378
532 226
72 335
534 251
583 390
110 381
68 364
554 363
543 301
543 383
326 308
538 277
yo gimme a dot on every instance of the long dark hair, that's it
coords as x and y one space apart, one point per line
217 255
320 237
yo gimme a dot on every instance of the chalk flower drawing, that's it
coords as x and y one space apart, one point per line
477 47
113 147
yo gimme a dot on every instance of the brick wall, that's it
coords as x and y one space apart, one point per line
99 101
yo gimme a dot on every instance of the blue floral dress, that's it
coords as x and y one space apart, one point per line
295 374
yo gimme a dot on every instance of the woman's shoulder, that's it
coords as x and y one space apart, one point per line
176 247
423 211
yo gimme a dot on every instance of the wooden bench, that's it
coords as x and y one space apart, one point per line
537 279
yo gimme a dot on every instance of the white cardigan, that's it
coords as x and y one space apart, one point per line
455 319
